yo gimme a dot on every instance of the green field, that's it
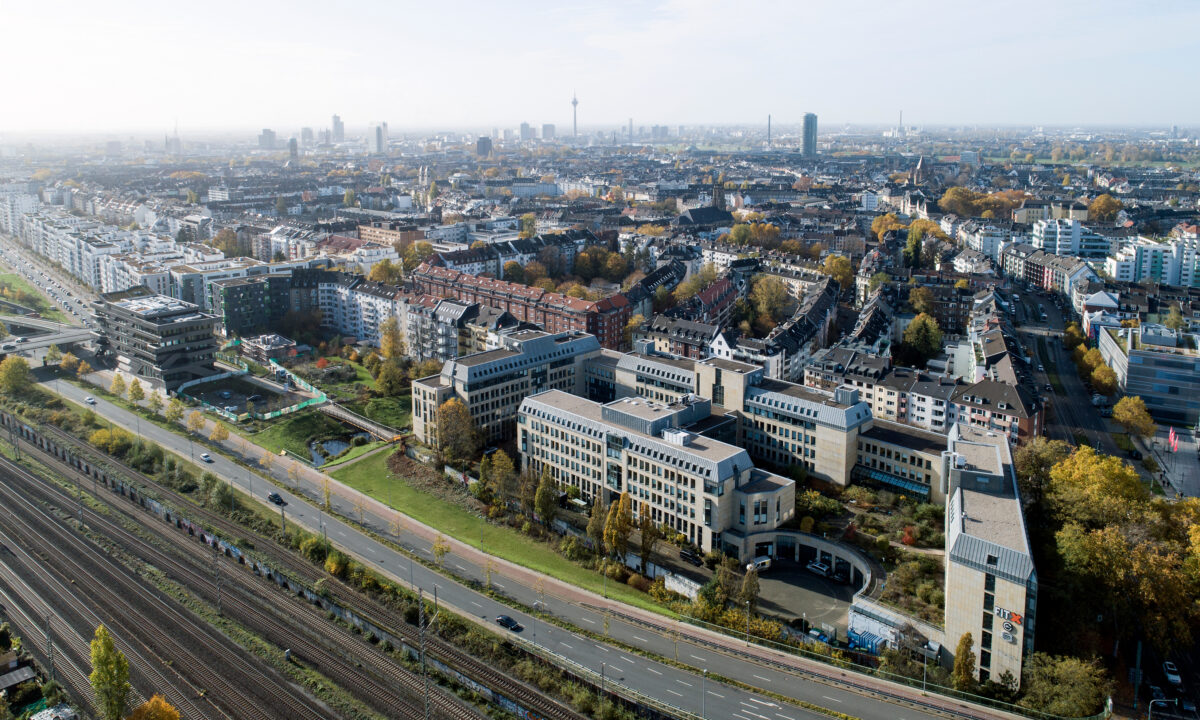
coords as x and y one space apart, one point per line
371 476
394 412
35 299
295 432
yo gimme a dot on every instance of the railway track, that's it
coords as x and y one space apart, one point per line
350 598
221 682
294 624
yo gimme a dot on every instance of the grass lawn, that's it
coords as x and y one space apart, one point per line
371 476
37 300
353 452
394 412
294 432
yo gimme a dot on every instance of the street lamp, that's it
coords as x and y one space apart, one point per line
703 682
747 622
1150 711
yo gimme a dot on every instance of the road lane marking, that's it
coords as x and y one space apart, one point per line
674 693
698 657
476 604
786 717
603 648
639 639
498 585
588 620
560 642
760 677
710 692
627 659
654 671
762 702
681 682
460 567
831 698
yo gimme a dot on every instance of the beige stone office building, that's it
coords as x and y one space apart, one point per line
991 583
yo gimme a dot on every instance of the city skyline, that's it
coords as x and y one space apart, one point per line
284 69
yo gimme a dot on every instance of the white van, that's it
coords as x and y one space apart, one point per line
761 564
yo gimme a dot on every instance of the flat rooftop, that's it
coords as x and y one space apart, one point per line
800 392
150 306
906 436
730 365
484 357
699 445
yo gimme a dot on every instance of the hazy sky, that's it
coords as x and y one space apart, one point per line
132 66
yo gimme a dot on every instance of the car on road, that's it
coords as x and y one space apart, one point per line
690 557
8 346
505 621
1049 388
1172 673
90 400
206 457
275 498
1134 454
1041 368
818 568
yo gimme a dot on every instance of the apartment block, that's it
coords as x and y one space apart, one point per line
158 338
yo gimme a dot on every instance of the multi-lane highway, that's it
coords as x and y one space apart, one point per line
682 688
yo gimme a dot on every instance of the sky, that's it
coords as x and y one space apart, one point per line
133 66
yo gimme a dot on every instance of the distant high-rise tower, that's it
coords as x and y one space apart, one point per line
548 131
377 139
768 131
526 131
266 139
306 136
630 128
809 147
483 146
293 148
339 130
574 115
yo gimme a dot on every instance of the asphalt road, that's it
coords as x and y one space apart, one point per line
664 682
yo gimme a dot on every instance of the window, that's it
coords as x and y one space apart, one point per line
985 659
989 602
989 583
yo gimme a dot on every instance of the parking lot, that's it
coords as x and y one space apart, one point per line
233 394
788 590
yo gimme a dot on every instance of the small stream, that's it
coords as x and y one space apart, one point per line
332 448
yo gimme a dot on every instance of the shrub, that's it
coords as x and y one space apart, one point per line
336 564
638 582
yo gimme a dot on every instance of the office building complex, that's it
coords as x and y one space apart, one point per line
483 146
339 130
1157 364
158 338
492 384
266 139
991 583
705 489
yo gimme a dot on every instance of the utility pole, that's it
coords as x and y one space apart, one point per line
703 692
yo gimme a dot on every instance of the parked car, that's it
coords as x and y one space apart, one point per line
690 558
275 498
1172 673
819 568
1105 412
505 621
206 457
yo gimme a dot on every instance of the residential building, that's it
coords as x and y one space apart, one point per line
1069 237
1159 365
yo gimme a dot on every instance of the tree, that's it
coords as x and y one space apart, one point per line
458 437
1175 319
877 280
348 199
156 708
546 500
962 284
136 393
514 272
174 411
195 421
749 591
1130 413
226 241
219 433
503 474
1093 489
1104 380
53 354
528 225
83 370
964 663
1033 462
69 362
595 526
1064 686
14 375
883 224
650 535
912 250
634 323
838 267
923 336
281 205
771 299
391 339
534 271
618 526
385 271
921 299
155 402
1105 207
118 385
391 380
110 675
